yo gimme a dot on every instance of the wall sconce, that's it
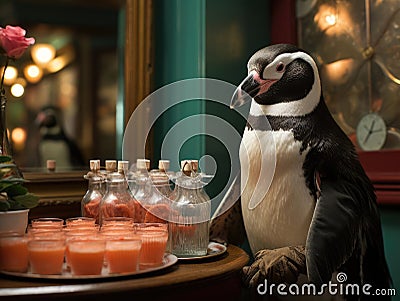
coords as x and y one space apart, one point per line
33 73
42 54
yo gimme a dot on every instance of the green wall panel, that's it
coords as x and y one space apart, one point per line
179 54
390 218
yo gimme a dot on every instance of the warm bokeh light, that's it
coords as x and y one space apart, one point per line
330 19
42 54
338 72
57 64
33 73
18 136
17 90
333 20
10 75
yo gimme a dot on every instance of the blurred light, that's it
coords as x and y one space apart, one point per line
330 19
43 53
339 71
57 64
325 17
18 89
10 75
333 20
18 136
33 73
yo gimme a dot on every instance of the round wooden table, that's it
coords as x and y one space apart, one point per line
217 278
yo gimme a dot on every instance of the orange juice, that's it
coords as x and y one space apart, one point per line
86 257
14 253
154 238
77 234
47 222
46 256
80 221
123 255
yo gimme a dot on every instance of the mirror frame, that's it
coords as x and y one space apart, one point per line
61 192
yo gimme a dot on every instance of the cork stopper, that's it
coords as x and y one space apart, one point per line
189 166
111 165
94 165
163 165
51 165
123 166
142 164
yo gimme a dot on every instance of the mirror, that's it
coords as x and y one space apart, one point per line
107 72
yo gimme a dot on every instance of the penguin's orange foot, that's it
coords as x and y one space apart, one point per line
282 265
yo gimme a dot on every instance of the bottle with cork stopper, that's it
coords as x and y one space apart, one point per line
141 190
190 213
90 203
117 201
156 202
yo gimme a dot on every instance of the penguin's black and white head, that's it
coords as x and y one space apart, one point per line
283 80
48 120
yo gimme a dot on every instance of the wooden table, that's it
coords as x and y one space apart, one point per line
217 278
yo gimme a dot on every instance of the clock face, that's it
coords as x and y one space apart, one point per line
371 132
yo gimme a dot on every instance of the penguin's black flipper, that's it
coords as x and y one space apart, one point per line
227 221
333 231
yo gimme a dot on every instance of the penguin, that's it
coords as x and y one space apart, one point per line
54 143
319 216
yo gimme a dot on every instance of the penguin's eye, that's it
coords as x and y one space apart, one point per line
280 67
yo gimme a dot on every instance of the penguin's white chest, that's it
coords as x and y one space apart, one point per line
283 212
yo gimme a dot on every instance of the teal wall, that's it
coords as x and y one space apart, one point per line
204 38
390 217
179 54
235 30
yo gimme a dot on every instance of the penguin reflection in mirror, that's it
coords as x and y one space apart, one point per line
319 217
54 144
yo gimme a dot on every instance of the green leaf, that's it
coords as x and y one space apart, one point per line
15 189
28 200
4 205
7 165
5 185
5 159
14 180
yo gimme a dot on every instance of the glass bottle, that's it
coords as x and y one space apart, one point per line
190 214
156 202
161 178
117 201
91 200
142 185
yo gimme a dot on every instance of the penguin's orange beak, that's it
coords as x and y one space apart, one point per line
249 88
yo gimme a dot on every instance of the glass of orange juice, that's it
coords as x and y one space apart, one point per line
52 222
13 252
77 233
154 238
122 253
117 221
86 257
46 255
81 221
49 232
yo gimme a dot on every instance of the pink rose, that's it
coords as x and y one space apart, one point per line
13 41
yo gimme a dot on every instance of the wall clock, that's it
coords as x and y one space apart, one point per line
371 132
357 47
